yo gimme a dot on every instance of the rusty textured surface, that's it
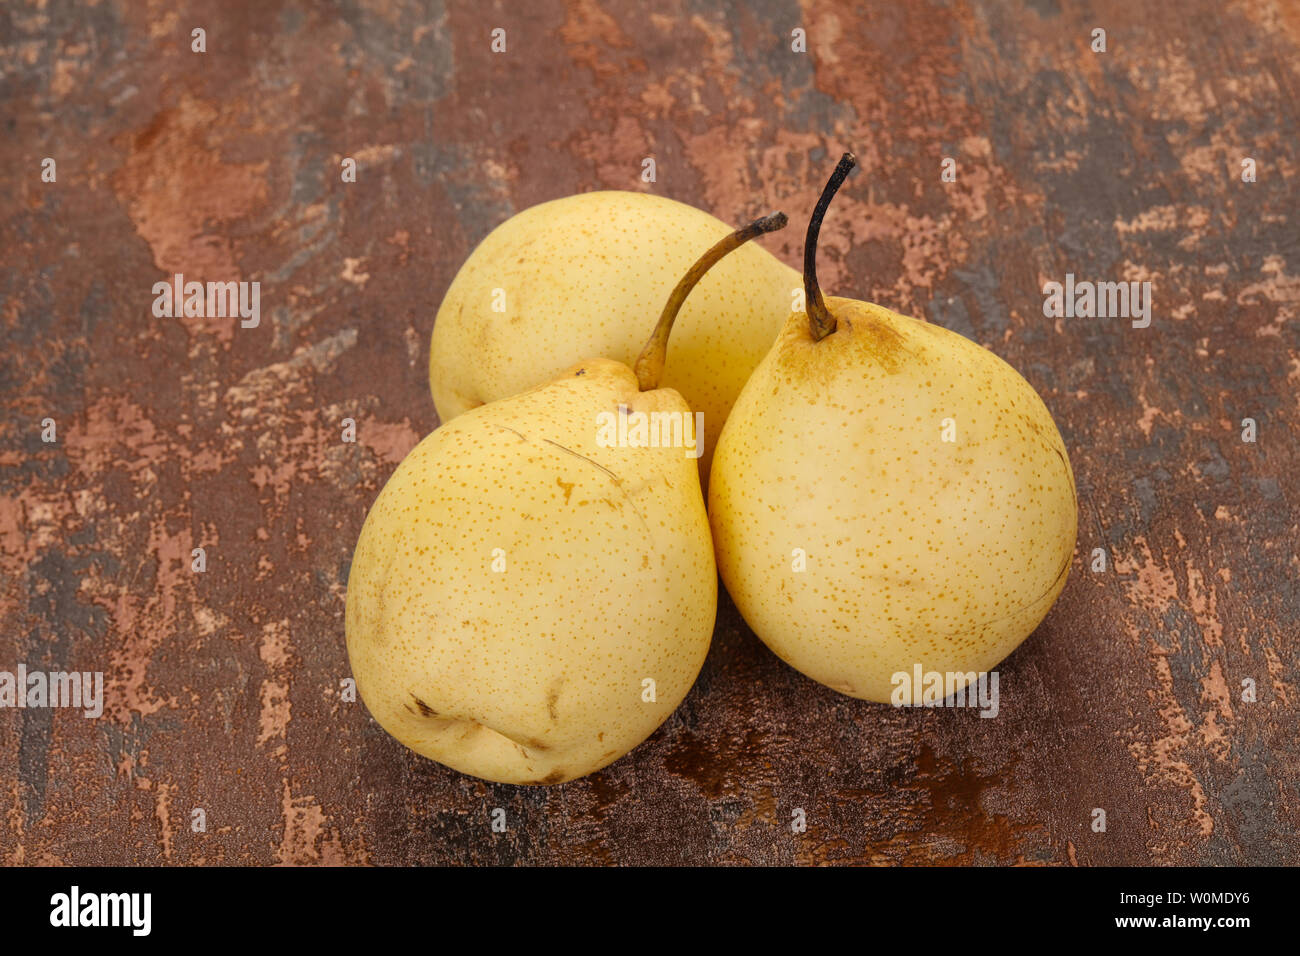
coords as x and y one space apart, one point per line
223 687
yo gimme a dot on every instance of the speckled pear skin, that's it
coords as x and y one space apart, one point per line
918 550
588 275
533 675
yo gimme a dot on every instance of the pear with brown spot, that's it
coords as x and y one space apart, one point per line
533 593
887 493
579 276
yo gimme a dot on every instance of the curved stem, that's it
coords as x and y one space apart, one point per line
649 365
820 320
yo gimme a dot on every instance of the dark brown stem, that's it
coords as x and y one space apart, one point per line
649 365
820 320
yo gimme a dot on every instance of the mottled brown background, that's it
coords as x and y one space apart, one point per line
223 688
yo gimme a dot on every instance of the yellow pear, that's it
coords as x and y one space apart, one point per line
579 276
533 592
888 494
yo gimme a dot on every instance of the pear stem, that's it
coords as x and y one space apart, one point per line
649 365
820 321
